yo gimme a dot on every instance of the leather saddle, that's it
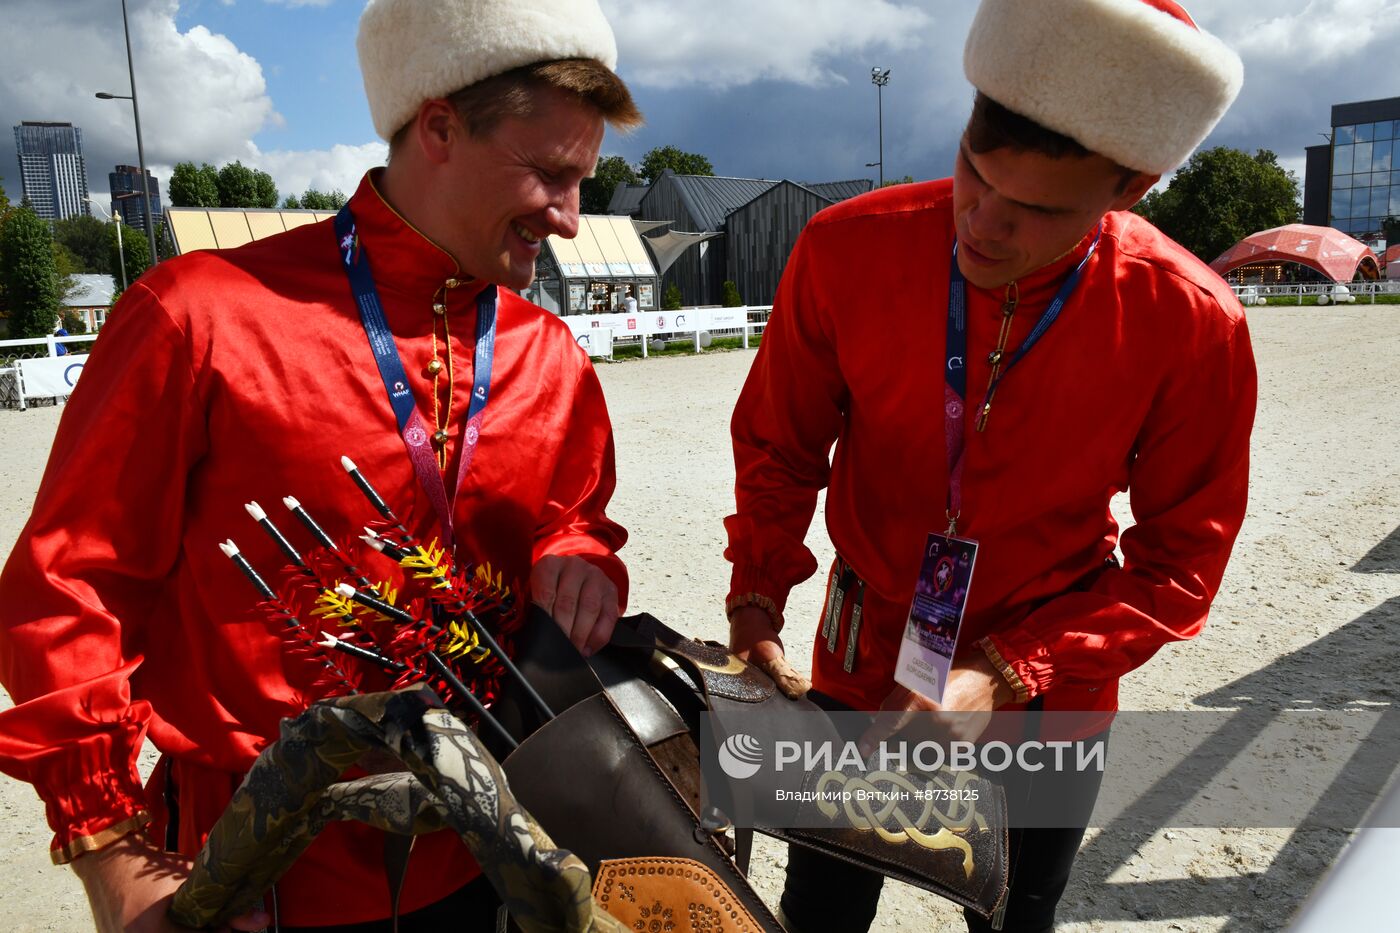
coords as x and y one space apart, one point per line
615 775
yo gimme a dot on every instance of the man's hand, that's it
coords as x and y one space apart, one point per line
579 596
751 637
975 688
130 884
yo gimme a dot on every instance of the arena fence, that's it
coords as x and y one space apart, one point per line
1320 293
35 371
45 368
602 334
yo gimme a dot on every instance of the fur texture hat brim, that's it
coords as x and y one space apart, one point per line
1120 77
417 50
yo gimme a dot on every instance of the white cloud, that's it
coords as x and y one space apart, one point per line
1300 58
737 42
202 98
325 169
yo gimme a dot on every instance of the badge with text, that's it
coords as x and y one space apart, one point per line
940 597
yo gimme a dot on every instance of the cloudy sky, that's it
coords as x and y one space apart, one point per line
765 88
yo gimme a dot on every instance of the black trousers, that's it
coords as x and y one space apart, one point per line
470 908
826 894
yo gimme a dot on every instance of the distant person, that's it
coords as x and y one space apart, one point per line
60 349
234 375
629 304
1144 382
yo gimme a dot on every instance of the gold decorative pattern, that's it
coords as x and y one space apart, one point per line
892 823
1023 693
739 601
99 840
670 895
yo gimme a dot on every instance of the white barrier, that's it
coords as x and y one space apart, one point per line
50 377
45 373
596 332
1326 292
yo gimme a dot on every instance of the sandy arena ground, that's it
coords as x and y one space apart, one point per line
1310 610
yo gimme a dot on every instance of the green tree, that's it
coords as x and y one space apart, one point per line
1222 196
730 295
4 214
66 266
596 192
29 276
238 186
85 237
291 203
165 247
682 163
671 298
891 182
194 187
315 200
266 190
136 251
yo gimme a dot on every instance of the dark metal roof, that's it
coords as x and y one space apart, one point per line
627 199
840 190
711 199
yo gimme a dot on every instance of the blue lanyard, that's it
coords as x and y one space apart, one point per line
955 365
412 426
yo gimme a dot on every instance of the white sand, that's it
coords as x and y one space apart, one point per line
1326 492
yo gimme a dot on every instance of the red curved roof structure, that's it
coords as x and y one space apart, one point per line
1325 249
1391 255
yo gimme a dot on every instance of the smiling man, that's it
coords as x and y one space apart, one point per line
994 356
232 376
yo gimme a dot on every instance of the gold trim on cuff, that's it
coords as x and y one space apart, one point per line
1023 693
739 601
99 840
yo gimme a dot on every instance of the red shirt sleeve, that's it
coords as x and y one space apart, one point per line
786 420
574 519
103 535
1189 484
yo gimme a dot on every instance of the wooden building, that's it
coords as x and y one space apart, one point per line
760 220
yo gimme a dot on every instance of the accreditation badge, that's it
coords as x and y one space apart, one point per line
935 618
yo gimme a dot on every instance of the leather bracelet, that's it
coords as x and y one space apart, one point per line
758 601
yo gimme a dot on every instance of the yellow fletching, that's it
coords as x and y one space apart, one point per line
331 604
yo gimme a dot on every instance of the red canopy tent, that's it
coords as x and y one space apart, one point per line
1325 249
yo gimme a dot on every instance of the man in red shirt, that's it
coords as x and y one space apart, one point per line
1145 382
225 377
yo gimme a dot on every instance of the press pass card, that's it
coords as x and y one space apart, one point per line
931 634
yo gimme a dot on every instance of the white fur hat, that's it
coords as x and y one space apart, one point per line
415 50
1134 80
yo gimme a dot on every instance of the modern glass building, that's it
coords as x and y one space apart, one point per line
1353 183
127 196
52 171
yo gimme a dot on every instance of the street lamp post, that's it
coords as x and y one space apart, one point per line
880 78
140 149
121 254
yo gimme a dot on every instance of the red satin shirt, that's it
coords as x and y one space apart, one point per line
1146 381
237 375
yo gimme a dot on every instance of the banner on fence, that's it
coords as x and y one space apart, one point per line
683 321
50 376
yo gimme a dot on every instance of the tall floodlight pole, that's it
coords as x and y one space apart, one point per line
880 78
140 149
